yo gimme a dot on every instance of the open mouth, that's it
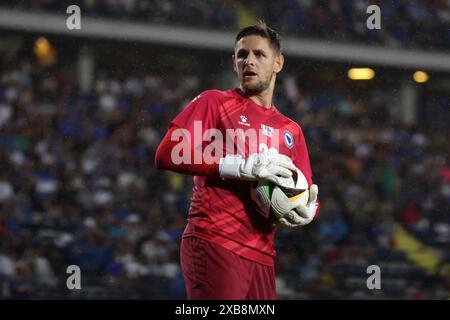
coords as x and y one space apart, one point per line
249 74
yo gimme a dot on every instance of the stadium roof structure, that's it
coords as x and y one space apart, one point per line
51 23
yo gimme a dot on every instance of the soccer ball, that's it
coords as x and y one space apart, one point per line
270 199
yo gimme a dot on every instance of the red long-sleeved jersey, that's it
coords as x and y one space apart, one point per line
221 211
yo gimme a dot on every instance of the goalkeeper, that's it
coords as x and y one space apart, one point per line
227 248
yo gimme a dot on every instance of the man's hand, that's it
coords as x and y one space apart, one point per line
301 214
270 166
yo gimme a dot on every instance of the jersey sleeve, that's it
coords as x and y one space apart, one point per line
187 130
301 159
302 162
163 159
202 110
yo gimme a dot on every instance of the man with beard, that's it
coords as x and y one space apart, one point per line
227 248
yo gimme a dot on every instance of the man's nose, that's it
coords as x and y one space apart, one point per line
250 59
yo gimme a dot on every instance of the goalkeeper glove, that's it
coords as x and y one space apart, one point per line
300 214
270 166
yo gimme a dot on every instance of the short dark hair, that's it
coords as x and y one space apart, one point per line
262 30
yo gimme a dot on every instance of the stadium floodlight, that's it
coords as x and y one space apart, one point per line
420 76
44 51
361 73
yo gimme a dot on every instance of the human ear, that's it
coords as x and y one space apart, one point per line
279 63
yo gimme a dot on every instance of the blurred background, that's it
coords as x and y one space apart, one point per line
82 113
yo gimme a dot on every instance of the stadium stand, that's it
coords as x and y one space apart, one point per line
78 185
342 21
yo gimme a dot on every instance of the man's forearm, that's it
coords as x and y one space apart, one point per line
164 160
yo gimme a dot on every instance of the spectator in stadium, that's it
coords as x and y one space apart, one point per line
227 249
405 23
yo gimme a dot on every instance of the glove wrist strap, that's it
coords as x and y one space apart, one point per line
229 166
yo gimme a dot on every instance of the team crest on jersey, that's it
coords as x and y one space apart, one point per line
288 139
244 121
266 130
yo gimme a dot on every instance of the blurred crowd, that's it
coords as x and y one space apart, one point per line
78 187
376 176
405 23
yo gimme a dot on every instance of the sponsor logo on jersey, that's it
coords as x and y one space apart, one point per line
266 130
244 121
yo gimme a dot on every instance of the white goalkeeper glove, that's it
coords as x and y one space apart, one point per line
270 166
299 214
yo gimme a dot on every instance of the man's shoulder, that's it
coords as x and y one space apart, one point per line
215 95
288 122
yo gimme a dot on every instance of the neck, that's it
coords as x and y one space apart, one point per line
264 99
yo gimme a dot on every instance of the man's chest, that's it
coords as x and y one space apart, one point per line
255 132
